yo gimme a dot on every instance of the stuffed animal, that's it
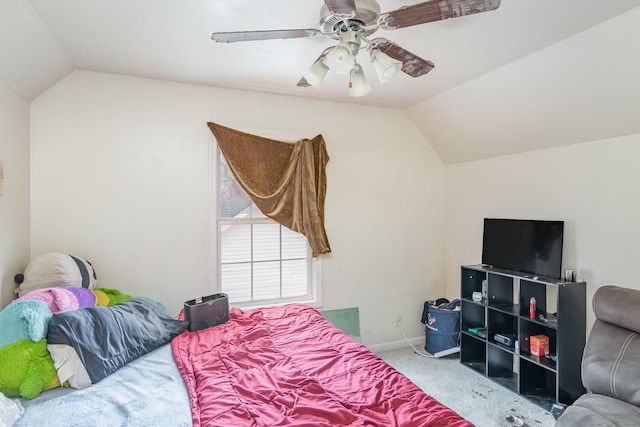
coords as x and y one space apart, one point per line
56 269
26 369
115 296
24 319
102 299
85 297
57 299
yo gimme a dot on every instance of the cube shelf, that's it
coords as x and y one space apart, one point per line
496 331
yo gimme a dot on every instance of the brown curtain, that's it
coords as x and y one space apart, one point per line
286 181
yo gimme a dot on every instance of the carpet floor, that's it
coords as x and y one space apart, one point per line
476 398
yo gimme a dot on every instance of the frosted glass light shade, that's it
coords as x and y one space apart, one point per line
340 59
386 67
316 73
358 85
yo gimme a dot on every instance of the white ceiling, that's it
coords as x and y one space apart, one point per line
42 40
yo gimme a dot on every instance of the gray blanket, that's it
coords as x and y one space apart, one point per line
107 338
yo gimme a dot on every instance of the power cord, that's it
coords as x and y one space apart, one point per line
415 350
437 355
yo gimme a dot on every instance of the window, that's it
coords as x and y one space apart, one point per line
259 261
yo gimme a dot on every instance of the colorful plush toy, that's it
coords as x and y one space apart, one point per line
102 299
26 369
56 269
115 296
85 297
57 299
24 320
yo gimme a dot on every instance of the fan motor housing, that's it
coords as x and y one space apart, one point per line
367 12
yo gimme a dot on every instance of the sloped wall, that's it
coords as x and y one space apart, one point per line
581 89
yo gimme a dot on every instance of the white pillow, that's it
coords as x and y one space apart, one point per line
69 366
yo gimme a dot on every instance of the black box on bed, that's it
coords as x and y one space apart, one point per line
204 312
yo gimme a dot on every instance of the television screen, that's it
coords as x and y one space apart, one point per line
529 246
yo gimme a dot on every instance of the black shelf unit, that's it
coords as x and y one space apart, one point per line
504 310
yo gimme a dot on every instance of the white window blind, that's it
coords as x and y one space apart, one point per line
259 260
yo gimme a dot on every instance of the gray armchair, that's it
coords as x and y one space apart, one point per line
610 364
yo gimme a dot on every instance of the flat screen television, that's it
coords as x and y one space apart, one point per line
528 246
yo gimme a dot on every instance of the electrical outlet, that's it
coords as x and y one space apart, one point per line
397 320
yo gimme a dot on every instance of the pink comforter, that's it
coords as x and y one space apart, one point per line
288 366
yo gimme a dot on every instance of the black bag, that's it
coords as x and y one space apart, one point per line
442 330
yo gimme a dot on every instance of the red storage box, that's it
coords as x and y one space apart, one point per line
539 345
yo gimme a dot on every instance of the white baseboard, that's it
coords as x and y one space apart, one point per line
394 345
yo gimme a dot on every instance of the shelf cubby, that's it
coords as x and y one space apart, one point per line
471 282
475 317
500 367
538 384
473 353
500 323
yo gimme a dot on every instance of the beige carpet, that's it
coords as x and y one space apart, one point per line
474 397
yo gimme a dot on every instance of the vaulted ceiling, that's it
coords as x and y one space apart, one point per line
41 41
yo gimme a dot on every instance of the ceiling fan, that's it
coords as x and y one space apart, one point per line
351 22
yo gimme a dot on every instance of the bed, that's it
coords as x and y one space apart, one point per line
275 366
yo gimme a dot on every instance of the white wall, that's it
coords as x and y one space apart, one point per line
121 176
14 203
593 187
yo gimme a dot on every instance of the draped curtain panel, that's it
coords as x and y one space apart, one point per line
286 181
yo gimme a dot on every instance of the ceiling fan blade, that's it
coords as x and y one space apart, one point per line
434 10
411 64
244 36
341 8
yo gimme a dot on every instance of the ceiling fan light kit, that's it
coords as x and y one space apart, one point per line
351 22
